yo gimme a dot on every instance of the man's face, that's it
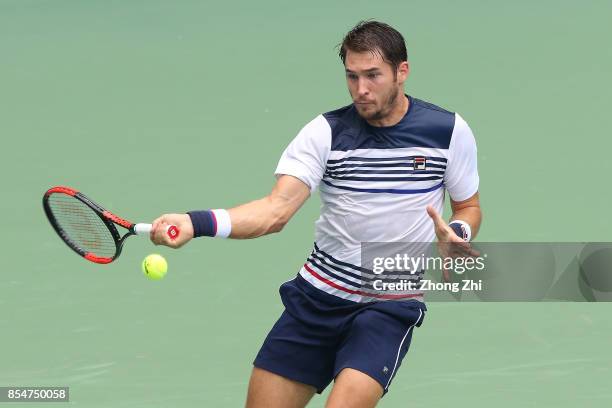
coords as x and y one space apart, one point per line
373 83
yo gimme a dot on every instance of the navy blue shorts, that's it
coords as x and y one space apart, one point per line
318 335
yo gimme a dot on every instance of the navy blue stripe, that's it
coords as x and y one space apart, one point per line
337 268
383 159
341 172
385 190
387 275
351 283
340 278
348 265
407 164
351 178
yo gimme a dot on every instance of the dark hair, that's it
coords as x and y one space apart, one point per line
376 37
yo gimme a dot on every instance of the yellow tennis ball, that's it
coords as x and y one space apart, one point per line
154 266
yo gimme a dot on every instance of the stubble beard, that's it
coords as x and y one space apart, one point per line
386 108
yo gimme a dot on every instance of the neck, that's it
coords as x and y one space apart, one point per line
397 112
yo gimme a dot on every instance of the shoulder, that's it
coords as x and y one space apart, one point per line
316 134
345 126
462 137
432 121
429 107
461 125
342 118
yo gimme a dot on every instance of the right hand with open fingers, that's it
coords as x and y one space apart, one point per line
159 235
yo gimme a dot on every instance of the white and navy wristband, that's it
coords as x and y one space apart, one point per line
211 223
462 229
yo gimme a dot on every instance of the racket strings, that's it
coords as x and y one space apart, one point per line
82 226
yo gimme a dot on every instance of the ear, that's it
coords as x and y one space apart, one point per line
402 71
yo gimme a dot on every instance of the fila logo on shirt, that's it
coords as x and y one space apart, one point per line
420 163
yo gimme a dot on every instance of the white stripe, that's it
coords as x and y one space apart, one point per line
387 153
359 298
377 184
318 265
224 223
331 290
331 278
379 175
354 267
400 348
409 166
364 277
382 164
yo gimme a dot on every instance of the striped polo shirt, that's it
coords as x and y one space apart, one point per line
375 184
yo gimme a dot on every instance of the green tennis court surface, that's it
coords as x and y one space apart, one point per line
153 106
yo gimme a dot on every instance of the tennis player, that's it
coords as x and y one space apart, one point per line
382 165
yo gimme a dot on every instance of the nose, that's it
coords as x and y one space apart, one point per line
362 89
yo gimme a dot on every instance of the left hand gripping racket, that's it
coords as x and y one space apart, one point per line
88 229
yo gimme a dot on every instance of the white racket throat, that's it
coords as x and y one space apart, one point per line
145 229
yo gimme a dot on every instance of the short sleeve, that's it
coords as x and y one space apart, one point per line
306 156
461 177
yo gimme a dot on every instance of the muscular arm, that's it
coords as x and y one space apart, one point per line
269 214
468 211
250 220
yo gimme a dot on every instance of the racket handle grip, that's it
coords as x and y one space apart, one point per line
145 229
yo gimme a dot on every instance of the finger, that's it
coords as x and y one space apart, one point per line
164 241
158 234
457 241
444 234
153 228
460 250
158 221
433 214
169 242
463 247
458 247
155 238
439 224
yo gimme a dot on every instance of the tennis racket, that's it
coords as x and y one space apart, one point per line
87 228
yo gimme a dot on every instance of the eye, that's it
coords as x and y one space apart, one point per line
351 76
373 75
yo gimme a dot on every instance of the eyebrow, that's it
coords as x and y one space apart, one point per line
365 70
